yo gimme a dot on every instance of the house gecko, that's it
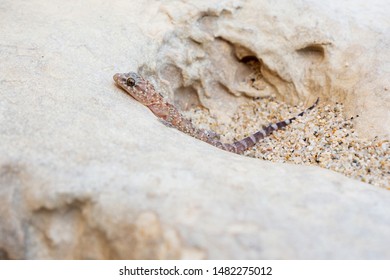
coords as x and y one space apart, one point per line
144 92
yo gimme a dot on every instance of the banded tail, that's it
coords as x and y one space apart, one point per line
239 147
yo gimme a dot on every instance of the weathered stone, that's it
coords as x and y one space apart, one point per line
87 172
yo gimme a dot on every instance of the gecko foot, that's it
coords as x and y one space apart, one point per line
211 134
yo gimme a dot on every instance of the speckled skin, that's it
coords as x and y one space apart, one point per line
144 92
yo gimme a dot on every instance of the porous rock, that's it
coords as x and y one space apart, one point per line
87 172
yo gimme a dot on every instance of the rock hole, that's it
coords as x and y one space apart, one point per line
249 58
313 51
243 53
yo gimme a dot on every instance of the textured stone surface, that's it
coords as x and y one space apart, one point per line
338 51
87 172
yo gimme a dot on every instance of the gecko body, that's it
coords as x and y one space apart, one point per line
144 92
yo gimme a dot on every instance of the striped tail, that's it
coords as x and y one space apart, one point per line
240 146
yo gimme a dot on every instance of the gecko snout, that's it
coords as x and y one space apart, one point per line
116 77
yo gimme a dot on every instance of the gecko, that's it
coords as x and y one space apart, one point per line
144 92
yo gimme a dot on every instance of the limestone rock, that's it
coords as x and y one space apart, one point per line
87 172
304 50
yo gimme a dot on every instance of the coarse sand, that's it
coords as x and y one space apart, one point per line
323 137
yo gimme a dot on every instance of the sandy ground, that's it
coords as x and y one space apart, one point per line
323 137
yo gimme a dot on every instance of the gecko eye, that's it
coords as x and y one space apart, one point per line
130 82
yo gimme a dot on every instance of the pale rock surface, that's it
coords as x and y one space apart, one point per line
335 50
87 172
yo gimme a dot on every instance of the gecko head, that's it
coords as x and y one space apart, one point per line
135 85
